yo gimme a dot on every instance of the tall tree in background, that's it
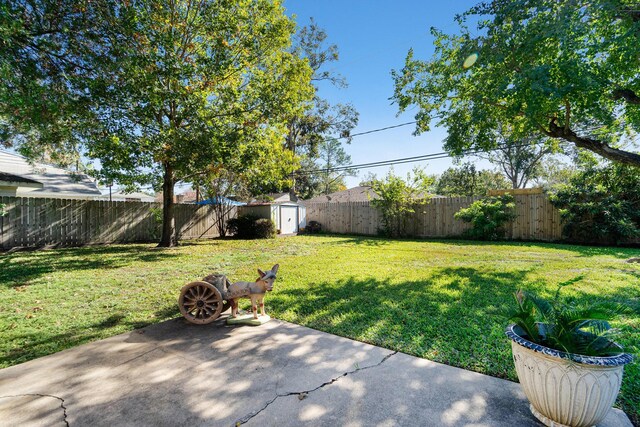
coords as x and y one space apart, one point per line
322 120
332 155
567 70
168 88
466 180
554 172
519 162
247 170
518 159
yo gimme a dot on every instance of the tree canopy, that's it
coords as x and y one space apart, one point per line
159 91
47 49
466 180
565 69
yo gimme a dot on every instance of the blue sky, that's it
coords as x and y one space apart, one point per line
373 38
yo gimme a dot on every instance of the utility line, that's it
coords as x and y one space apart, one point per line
367 132
432 156
376 130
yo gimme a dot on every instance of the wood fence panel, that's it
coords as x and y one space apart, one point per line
536 218
37 222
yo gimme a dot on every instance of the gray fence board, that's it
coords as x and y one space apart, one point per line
36 222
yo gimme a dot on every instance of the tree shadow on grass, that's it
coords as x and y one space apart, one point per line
19 268
38 343
580 250
455 316
452 316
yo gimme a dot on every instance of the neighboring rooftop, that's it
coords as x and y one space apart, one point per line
355 194
55 182
9 179
120 196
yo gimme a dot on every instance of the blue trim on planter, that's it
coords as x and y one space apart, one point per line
620 359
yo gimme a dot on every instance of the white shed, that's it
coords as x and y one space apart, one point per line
289 217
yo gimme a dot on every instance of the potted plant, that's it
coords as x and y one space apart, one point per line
568 365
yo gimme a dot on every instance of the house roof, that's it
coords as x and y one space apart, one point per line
10 179
133 196
188 196
56 182
355 194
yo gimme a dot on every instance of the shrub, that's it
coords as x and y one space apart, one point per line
313 227
397 199
251 227
601 205
488 216
3 212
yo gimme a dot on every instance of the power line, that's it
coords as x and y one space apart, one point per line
432 156
377 130
367 132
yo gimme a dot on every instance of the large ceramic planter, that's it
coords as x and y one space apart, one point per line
566 389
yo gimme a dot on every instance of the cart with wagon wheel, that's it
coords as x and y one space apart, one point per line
203 301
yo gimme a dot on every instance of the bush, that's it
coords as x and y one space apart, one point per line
488 216
313 227
601 205
398 198
251 227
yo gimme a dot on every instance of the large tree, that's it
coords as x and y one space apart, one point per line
565 69
168 88
331 156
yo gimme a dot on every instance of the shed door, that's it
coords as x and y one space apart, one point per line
288 219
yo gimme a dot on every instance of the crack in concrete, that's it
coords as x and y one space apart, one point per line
64 408
305 393
137 356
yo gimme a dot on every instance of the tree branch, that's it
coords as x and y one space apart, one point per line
599 147
628 95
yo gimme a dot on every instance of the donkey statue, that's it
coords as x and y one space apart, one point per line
253 290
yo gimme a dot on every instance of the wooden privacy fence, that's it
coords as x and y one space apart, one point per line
537 218
36 222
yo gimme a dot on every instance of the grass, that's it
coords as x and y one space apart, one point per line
441 300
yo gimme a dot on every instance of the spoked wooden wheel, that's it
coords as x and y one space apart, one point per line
200 302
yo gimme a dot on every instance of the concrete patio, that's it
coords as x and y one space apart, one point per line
279 374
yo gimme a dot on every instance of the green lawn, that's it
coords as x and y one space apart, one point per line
441 300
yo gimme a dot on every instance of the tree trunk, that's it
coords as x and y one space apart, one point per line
169 235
